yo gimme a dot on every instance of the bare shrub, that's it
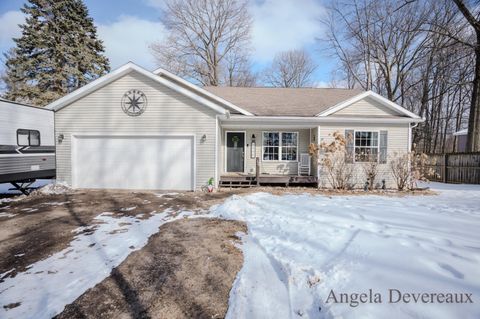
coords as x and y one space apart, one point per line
420 168
334 159
408 168
371 171
400 168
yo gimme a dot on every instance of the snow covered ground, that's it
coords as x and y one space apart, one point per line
49 285
300 248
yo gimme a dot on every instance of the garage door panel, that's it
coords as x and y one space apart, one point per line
133 162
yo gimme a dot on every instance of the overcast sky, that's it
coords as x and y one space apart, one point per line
127 27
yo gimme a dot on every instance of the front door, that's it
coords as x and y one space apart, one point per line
235 151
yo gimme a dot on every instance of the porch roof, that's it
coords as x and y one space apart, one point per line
244 122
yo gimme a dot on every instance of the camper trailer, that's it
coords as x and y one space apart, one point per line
27 144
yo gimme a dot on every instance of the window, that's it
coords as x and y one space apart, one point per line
28 138
280 145
289 146
366 146
271 145
23 137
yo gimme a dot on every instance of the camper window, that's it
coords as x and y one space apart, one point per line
28 138
22 137
34 138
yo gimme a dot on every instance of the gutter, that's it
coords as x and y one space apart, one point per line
314 119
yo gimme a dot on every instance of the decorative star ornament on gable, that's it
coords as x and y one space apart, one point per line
134 102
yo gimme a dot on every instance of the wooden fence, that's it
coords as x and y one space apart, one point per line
455 168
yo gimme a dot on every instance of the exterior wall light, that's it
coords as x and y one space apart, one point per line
60 138
253 149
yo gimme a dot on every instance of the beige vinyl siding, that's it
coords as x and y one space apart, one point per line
168 112
366 107
268 167
397 142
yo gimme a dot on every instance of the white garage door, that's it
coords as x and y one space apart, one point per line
132 162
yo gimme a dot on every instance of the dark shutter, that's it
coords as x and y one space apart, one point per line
350 145
383 146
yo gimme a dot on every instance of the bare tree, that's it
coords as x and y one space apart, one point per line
377 45
238 69
472 16
201 34
290 69
414 53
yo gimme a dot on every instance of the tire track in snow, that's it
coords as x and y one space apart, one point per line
317 308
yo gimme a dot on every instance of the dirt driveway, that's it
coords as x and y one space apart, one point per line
186 270
36 227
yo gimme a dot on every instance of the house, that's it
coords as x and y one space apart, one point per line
136 129
461 140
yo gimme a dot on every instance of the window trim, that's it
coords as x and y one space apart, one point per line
29 141
279 146
355 146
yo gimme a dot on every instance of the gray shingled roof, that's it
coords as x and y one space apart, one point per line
263 101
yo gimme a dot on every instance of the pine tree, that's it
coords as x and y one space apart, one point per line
57 52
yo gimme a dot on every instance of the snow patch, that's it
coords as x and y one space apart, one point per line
8 215
56 188
166 194
301 247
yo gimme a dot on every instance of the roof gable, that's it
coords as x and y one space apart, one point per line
164 73
374 105
120 72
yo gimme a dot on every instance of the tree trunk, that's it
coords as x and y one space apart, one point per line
473 138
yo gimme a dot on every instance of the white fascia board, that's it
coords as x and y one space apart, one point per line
90 87
198 89
258 122
316 119
121 71
373 95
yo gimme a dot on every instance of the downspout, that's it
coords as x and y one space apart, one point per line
410 127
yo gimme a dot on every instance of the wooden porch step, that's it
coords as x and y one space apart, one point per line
303 179
251 181
236 183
